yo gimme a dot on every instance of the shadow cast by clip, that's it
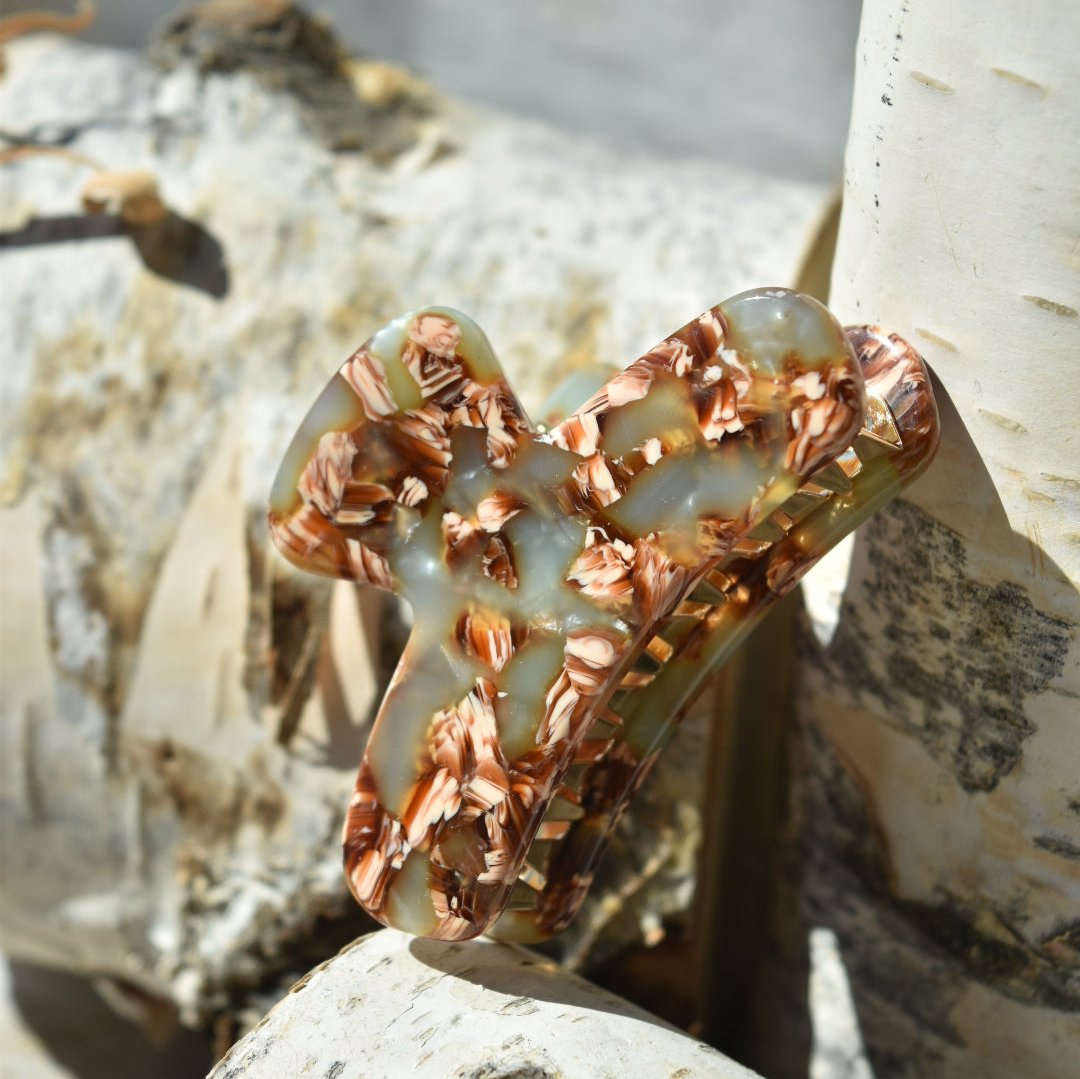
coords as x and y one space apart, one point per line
521 975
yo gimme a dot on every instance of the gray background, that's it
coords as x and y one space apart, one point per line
761 83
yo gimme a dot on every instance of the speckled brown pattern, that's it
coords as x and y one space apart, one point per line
568 587
898 440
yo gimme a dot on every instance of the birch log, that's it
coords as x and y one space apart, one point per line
938 817
391 1005
179 735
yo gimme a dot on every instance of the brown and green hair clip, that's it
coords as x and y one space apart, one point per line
571 588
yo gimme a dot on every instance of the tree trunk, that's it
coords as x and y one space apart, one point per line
937 819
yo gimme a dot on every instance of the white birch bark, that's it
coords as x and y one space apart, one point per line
938 820
391 1005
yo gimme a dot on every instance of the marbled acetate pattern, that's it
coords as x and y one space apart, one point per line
570 587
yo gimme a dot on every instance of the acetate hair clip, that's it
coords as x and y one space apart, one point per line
572 588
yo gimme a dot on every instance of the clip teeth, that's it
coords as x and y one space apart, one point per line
693 608
833 478
880 423
849 463
755 547
659 649
610 716
551 830
533 878
592 750
571 797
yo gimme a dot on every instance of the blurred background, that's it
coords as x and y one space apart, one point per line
766 85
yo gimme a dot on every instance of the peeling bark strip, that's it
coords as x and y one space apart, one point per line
716 460
972 715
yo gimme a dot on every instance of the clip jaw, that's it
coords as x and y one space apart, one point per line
571 590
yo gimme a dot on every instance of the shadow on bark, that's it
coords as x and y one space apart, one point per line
541 979
174 248
88 1039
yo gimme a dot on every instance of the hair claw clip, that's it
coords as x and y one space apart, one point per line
571 588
